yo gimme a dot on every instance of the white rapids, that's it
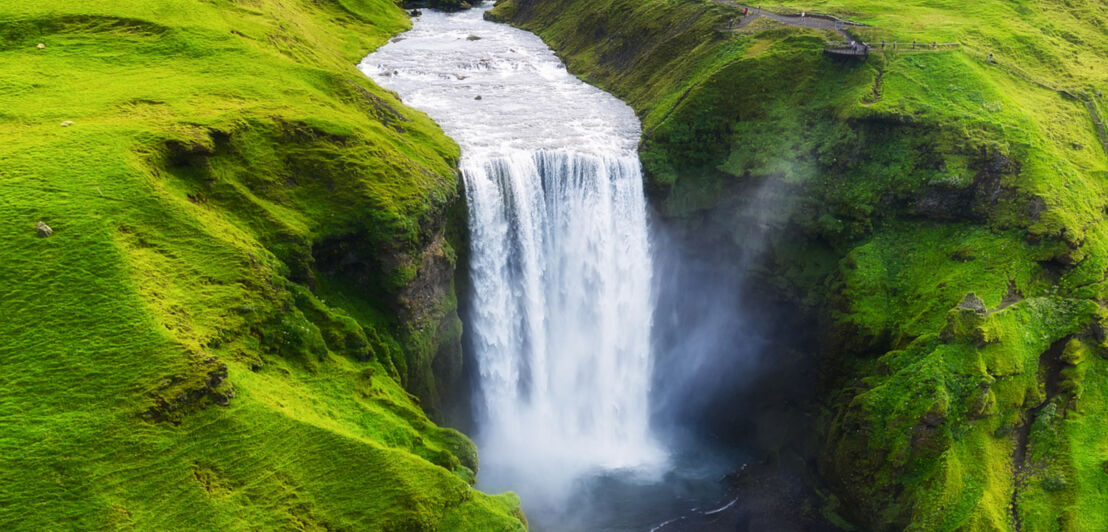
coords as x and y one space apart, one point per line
560 256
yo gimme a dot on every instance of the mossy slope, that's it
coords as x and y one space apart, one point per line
892 189
249 258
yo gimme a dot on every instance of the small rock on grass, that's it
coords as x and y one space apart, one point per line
41 46
974 303
43 229
67 123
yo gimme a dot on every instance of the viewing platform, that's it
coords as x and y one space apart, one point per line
862 49
847 49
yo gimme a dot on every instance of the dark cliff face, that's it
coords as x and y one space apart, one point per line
417 286
405 270
827 218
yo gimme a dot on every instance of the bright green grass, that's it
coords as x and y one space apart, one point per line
214 146
897 186
1058 41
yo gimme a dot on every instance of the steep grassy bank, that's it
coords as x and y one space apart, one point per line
940 216
249 275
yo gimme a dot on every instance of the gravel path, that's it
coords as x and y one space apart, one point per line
816 21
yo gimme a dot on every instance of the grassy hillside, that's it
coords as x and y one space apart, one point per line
942 215
250 269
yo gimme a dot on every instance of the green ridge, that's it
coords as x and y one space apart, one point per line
895 188
250 253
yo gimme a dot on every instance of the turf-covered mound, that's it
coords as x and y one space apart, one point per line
939 212
246 277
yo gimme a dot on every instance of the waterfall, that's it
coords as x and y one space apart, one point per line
560 309
561 304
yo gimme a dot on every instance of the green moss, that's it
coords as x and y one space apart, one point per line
890 189
181 353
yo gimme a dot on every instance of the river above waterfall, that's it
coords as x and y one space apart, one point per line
496 89
560 308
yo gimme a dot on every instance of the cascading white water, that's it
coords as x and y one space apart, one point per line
560 256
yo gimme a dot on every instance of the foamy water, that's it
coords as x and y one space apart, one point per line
560 256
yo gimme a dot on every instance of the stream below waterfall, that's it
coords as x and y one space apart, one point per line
561 306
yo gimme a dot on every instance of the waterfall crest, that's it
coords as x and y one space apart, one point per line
560 262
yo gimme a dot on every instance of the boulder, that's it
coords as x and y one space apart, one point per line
965 323
43 229
473 38
974 303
